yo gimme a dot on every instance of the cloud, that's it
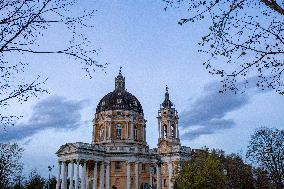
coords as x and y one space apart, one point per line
52 112
207 113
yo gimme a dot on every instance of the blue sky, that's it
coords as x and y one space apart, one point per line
154 51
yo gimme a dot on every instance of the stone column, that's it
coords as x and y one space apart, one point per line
131 131
105 128
169 129
72 175
136 175
64 179
127 130
58 176
162 130
107 174
159 128
102 176
128 175
159 180
109 131
177 130
145 133
170 174
95 175
77 175
83 176
94 133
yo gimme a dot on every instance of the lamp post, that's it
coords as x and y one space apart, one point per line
49 171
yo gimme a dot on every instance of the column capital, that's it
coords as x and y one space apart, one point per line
107 162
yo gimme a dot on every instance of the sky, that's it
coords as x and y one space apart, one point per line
154 51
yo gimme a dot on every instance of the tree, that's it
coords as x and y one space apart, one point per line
245 42
238 174
52 182
10 165
204 171
266 150
35 181
262 180
22 23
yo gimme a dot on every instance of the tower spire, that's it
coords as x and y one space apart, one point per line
120 81
167 103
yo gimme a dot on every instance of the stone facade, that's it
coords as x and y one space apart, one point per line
119 156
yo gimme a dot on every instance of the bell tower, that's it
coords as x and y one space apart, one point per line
168 126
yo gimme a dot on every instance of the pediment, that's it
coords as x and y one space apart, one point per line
67 148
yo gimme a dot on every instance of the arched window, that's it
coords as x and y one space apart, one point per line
135 133
165 134
173 130
118 132
102 134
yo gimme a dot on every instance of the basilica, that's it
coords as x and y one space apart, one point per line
118 156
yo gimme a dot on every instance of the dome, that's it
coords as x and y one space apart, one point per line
119 99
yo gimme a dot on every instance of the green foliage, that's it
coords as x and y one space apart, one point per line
204 171
213 169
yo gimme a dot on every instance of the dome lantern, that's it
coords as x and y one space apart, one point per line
120 81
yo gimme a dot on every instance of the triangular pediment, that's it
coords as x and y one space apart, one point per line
67 148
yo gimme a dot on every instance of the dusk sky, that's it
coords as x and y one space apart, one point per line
154 51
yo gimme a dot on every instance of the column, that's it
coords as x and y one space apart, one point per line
58 176
107 175
169 130
177 129
86 177
83 177
95 175
151 176
77 175
64 180
105 138
136 175
170 174
94 133
131 131
102 176
159 181
162 133
127 127
72 175
128 175
145 133
159 128
109 131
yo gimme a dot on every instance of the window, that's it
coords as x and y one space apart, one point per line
102 134
173 131
117 165
165 182
135 133
118 113
118 132
143 167
165 131
119 101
